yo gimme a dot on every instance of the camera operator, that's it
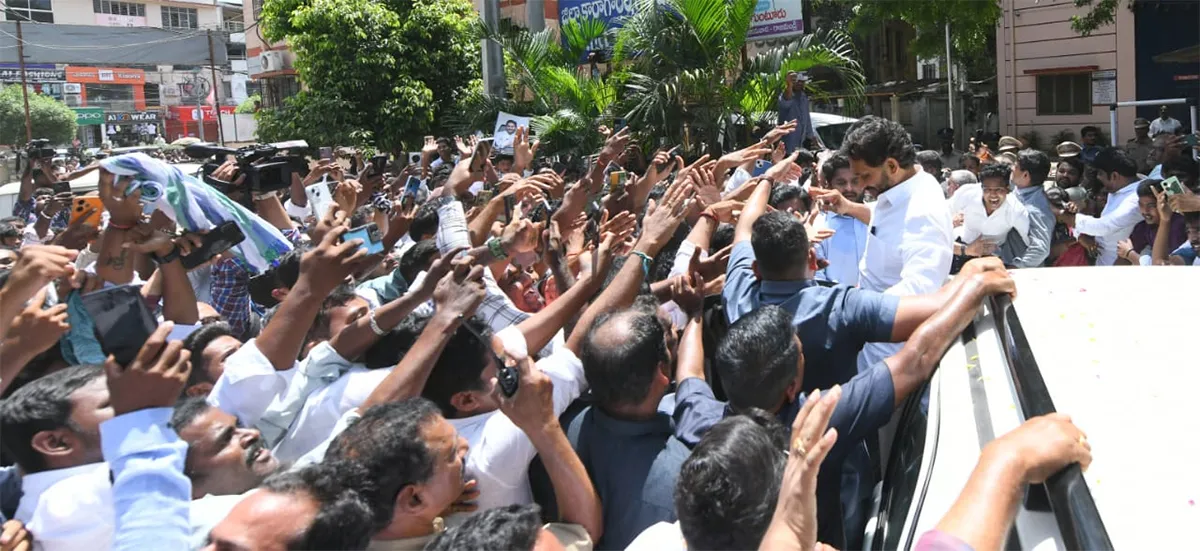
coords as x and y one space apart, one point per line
42 210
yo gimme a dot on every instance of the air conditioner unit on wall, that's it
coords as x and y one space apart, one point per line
272 61
71 88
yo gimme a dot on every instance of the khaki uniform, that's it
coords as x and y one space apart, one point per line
1139 151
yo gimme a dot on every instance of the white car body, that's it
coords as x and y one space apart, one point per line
1112 346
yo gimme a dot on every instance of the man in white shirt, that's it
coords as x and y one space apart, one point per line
1165 123
910 243
990 211
844 249
52 428
1118 174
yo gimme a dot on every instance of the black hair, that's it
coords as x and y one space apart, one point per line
780 243
1000 171
1075 163
9 230
1083 131
457 369
362 215
1112 159
617 265
43 404
186 411
425 222
727 489
1182 165
1148 187
930 158
287 271
343 519
446 142
197 342
11 219
873 140
722 237
834 163
620 368
757 359
805 157
1036 163
508 527
417 259
388 445
319 330
438 177
781 193
1192 218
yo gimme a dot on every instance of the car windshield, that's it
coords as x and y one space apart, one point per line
833 134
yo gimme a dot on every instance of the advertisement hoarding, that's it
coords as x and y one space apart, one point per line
771 19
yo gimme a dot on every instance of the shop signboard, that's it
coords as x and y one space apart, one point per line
88 116
34 73
126 117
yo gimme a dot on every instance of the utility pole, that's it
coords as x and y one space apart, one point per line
212 65
24 85
950 80
493 57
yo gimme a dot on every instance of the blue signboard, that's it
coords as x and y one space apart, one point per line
611 12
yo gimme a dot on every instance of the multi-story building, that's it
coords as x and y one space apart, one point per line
124 97
1052 79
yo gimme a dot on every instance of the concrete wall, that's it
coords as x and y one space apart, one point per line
81 12
1036 36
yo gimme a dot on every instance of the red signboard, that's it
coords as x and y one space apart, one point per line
189 114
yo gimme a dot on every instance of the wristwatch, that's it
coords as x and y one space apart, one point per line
167 258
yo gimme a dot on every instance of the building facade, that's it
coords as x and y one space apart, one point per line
120 96
1052 80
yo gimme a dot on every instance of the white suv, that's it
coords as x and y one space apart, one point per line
1109 346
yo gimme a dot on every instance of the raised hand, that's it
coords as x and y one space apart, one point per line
123 210
523 150
742 156
712 267
36 329
794 524
663 218
38 266
328 264
614 145
461 291
520 236
785 170
1043 446
780 131
155 377
687 291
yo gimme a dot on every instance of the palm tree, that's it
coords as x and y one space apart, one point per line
688 67
547 79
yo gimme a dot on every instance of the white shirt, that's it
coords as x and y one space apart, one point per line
958 200
740 176
909 249
1169 126
325 407
68 509
662 536
500 453
994 227
249 384
844 249
1116 222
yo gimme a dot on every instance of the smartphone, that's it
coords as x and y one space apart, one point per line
1191 140
670 158
616 181
326 153
483 151
62 187
484 197
1171 186
261 287
371 236
216 241
379 163
761 167
412 187
319 198
122 321
80 207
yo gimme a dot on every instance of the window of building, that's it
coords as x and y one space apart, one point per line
119 8
39 11
179 18
1064 94
256 6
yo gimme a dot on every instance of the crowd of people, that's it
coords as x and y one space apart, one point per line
639 352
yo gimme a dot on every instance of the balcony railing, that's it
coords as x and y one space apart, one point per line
233 26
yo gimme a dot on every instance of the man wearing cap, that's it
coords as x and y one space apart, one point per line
1068 149
793 106
1164 124
1009 143
1141 145
951 157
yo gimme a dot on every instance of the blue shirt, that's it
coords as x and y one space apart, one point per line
844 249
10 492
1186 252
151 495
634 465
1041 229
796 109
833 323
866 406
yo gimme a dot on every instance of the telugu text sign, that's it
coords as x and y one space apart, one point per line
777 18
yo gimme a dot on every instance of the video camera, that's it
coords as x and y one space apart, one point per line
39 149
267 167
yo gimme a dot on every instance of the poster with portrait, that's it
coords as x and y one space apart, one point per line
506 130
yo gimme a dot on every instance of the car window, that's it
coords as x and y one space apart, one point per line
904 468
833 134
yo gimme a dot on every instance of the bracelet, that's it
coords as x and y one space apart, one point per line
710 216
375 328
496 249
112 224
646 262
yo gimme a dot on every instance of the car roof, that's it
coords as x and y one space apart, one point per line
826 119
1113 346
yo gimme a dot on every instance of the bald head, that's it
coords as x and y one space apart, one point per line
957 179
624 356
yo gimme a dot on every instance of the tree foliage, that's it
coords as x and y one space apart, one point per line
381 72
1098 15
50 119
972 23
686 64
